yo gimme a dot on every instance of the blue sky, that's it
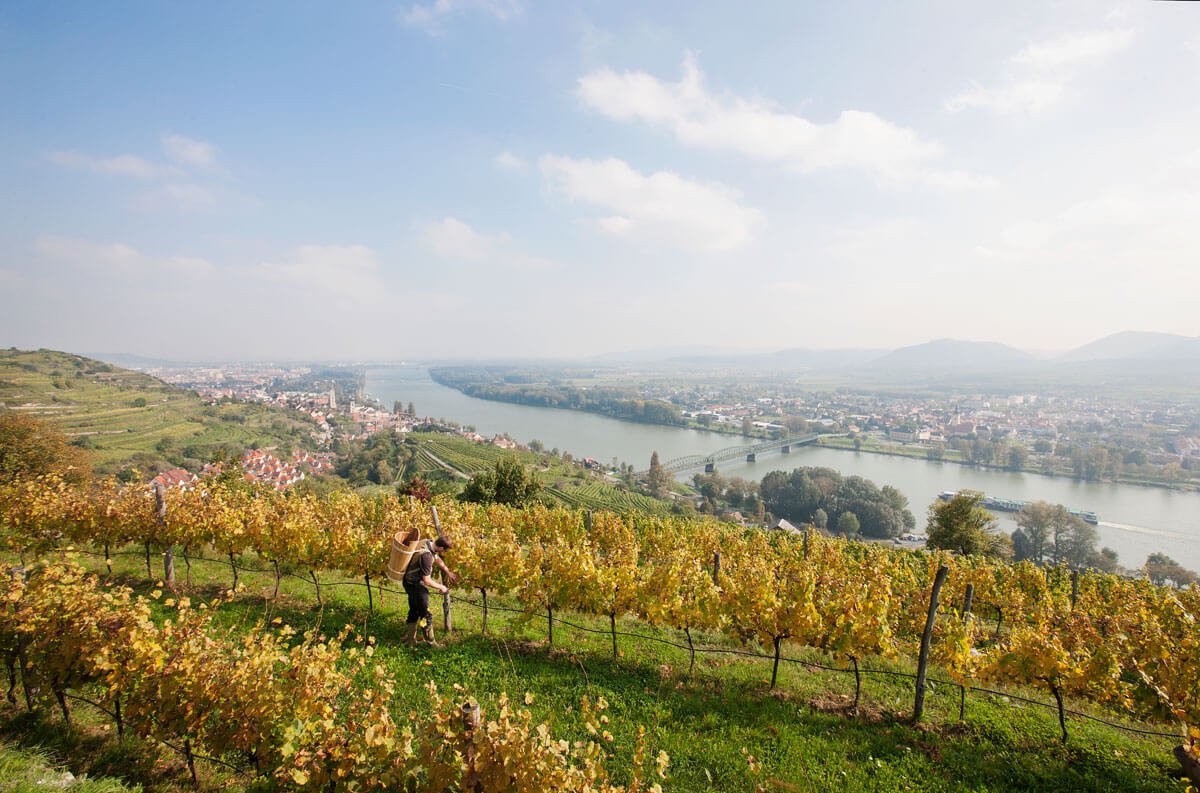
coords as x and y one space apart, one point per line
508 178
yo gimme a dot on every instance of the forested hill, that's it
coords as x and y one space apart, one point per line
127 418
504 384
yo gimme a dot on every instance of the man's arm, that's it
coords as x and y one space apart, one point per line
429 582
452 576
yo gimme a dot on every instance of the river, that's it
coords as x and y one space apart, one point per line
1134 521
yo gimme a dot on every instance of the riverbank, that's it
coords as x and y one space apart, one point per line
867 445
921 453
1134 521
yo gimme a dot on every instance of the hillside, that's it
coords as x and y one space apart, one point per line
128 418
803 730
952 354
1141 345
438 456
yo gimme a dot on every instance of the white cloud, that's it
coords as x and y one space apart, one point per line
120 165
182 196
1029 96
430 17
1073 49
757 128
350 272
189 152
451 238
1037 77
510 162
117 258
663 206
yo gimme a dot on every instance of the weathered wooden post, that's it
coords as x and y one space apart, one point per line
966 615
926 640
160 520
716 568
471 718
1074 588
447 620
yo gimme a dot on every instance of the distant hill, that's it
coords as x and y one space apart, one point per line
129 418
131 361
954 354
1138 345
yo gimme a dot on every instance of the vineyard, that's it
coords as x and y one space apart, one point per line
563 483
1110 642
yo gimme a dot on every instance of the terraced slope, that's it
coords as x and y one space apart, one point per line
129 418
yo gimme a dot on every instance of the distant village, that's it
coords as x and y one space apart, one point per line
1155 434
353 418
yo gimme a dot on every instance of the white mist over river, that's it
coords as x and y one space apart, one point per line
1134 521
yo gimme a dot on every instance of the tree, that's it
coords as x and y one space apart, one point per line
1035 522
412 411
508 482
820 518
711 486
657 478
1016 457
962 525
1162 569
847 525
384 474
747 426
29 447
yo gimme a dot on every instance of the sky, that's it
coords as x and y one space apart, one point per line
508 178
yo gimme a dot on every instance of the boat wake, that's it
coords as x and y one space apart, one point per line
1145 530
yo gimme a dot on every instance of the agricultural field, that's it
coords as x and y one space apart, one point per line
128 418
565 483
722 726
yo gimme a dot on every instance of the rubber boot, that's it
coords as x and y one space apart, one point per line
429 635
411 637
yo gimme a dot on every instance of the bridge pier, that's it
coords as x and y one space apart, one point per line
710 467
751 457
785 449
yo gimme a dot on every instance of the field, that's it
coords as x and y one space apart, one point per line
565 483
126 417
722 727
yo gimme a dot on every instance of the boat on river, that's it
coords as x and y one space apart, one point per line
1012 505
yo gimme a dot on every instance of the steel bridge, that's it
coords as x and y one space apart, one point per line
748 453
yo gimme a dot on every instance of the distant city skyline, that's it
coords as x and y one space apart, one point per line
500 178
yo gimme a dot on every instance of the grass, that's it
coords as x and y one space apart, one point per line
31 770
565 483
126 417
802 734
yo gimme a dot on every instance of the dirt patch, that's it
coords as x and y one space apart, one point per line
843 705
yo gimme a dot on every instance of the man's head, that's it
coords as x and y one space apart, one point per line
442 544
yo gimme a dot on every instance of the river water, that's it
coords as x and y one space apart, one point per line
1134 521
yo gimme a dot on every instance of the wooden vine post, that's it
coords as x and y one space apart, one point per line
926 641
160 520
968 597
471 718
447 621
716 568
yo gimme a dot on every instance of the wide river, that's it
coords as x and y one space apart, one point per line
1134 521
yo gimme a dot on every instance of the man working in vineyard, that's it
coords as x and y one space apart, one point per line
418 578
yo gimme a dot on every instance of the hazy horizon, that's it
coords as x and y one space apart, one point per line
479 179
